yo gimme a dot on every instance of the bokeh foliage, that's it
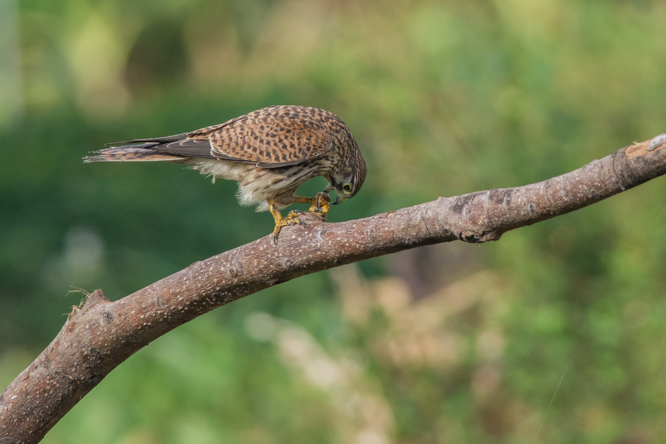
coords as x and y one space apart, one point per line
553 334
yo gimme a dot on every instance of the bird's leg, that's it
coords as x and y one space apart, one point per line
301 199
291 219
321 203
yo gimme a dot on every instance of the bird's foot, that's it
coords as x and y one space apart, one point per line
291 219
293 214
321 205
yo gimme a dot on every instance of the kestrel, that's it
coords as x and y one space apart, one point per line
269 152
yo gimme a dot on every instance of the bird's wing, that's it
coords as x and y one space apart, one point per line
270 138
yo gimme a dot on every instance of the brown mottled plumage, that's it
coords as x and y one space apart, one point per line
269 152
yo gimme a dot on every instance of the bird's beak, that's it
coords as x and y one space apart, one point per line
338 199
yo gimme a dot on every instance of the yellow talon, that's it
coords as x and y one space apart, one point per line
291 219
320 204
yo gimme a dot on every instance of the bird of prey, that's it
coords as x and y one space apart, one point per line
269 152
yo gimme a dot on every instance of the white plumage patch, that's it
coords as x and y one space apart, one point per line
255 185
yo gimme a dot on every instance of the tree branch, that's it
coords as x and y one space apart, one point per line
102 334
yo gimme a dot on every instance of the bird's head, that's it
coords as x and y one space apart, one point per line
348 177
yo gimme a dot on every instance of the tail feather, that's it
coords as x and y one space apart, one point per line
130 153
147 150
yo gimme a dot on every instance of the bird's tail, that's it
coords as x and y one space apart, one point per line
128 154
143 150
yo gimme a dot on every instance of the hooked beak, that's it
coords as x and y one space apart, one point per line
339 199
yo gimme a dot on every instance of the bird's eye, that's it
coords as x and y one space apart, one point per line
347 188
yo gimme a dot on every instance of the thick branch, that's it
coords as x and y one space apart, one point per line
101 335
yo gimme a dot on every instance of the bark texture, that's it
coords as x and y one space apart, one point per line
102 334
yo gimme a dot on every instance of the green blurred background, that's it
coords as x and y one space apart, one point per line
554 334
